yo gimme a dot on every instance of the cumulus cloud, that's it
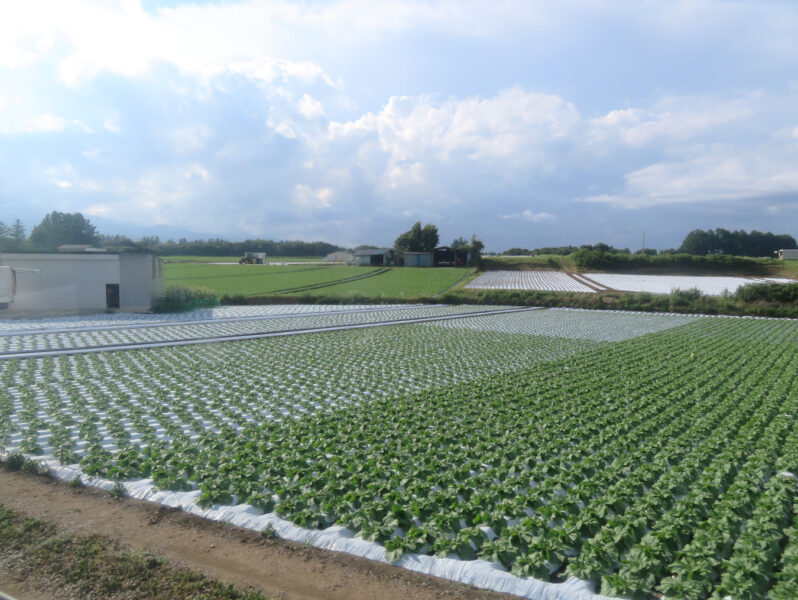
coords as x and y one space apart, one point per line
719 176
307 197
281 109
532 217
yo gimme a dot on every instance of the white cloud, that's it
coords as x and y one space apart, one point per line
191 138
112 125
308 197
45 123
532 217
511 131
714 176
310 108
671 118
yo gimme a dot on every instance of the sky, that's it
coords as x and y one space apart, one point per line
528 123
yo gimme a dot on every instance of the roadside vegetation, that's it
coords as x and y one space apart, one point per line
183 298
94 567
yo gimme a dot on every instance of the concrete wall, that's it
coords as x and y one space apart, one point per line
788 254
64 283
141 281
75 283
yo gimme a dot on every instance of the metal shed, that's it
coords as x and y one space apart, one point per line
418 259
375 257
787 254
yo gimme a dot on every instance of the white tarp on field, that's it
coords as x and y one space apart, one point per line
553 281
664 284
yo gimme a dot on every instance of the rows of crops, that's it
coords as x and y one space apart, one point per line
555 281
649 455
326 280
12 326
31 341
656 284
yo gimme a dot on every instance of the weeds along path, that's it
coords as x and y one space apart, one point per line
279 568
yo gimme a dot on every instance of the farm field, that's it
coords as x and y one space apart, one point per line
663 284
655 284
555 281
334 281
258 280
397 283
89 337
235 259
643 454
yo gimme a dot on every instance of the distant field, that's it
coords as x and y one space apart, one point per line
315 280
235 259
397 283
256 280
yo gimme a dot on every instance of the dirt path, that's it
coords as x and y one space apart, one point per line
280 569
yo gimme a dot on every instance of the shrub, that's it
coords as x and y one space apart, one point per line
182 298
786 293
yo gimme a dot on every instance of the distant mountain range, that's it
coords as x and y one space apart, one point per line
164 232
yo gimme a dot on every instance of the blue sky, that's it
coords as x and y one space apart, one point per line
527 123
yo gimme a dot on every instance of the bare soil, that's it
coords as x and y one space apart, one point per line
278 568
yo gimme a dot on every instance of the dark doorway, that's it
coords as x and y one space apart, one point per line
112 295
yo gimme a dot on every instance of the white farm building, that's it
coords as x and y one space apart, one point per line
80 282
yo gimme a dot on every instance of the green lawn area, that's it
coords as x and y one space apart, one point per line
334 281
235 259
396 283
256 280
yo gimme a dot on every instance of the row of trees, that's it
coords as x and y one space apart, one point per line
735 243
698 242
59 228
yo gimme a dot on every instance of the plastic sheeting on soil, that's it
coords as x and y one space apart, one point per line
479 573
554 281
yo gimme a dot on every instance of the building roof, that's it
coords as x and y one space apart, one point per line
409 252
373 251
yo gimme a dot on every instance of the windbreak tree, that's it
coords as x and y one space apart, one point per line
736 243
418 238
59 228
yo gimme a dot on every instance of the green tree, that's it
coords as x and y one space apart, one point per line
460 242
63 228
17 231
418 238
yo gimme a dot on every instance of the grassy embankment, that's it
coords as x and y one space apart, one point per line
94 567
253 284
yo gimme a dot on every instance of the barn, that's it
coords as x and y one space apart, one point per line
375 257
76 282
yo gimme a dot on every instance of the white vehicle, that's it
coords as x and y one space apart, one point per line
8 286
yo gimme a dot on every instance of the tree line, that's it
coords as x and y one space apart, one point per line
59 228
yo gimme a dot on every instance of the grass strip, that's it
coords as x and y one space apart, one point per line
95 567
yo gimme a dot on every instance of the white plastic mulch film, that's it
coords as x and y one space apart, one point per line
129 397
555 281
